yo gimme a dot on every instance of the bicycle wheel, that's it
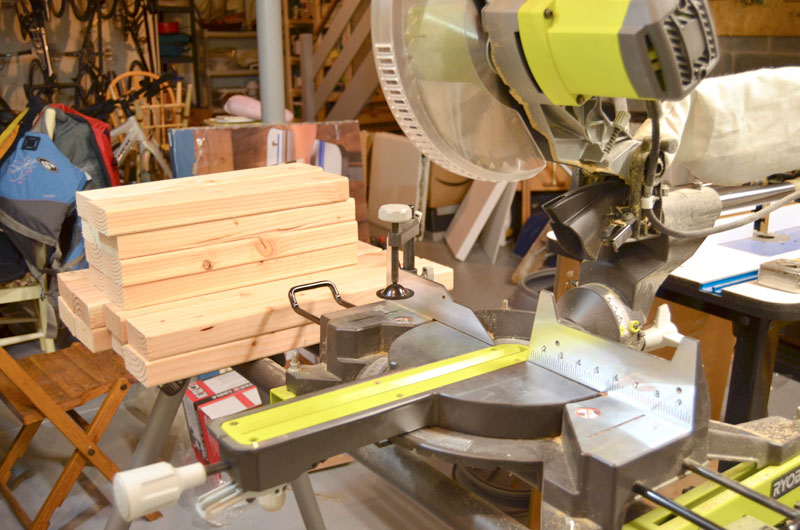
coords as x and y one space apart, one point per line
107 8
80 8
56 7
38 87
24 11
88 89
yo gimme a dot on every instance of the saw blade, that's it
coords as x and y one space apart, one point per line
431 57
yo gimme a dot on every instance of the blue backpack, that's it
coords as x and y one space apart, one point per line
37 202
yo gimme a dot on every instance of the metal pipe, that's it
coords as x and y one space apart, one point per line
740 197
677 509
270 60
154 436
307 503
265 374
453 504
744 491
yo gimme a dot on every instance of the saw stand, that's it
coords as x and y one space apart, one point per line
265 374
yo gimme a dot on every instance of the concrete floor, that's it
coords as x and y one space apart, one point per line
350 496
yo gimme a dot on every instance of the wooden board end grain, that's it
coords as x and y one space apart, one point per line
82 297
115 321
95 340
117 346
66 315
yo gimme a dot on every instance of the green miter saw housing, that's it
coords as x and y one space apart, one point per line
638 49
484 88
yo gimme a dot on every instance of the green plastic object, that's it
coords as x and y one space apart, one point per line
573 50
725 507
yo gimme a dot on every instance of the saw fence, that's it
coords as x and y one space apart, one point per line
191 275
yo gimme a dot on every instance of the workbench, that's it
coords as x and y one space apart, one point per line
720 279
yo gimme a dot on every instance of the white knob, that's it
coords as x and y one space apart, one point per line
146 489
394 213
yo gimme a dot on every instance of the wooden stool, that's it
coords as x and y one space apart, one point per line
52 386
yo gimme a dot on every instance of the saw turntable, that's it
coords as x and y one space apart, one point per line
566 399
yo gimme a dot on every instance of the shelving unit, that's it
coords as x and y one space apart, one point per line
188 9
208 39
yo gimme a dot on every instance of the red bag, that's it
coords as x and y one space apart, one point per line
102 137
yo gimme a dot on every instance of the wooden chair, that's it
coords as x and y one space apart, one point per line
28 289
21 291
52 386
169 109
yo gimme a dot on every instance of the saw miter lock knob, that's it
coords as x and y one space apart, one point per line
405 227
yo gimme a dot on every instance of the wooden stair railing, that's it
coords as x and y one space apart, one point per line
319 83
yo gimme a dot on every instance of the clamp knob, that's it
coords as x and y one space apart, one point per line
394 213
146 489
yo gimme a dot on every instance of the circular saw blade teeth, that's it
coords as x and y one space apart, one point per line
431 57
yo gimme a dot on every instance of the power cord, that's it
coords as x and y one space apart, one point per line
654 113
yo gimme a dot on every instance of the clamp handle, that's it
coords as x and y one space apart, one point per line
395 213
146 489
309 286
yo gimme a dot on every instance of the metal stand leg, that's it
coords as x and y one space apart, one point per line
751 374
307 503
154 436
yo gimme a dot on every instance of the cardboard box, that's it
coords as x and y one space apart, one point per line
445 188
437 220
397 175
214 398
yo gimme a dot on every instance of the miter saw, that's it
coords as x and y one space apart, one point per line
566 400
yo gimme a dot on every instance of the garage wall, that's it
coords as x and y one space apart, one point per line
64 34
740 54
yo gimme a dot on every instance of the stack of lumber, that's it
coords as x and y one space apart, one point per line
80 306
191 275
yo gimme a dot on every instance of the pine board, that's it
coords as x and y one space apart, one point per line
144 189
98 279
116 317
211 202
117 346
93 253
136 296
63 280
220 231
65 314
152 373
164 331
95 340
115 322
203 260
83 299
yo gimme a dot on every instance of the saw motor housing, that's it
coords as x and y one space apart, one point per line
637 49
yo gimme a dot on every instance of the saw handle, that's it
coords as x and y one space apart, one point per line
309 286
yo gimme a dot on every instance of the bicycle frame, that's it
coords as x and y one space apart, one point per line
134 135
